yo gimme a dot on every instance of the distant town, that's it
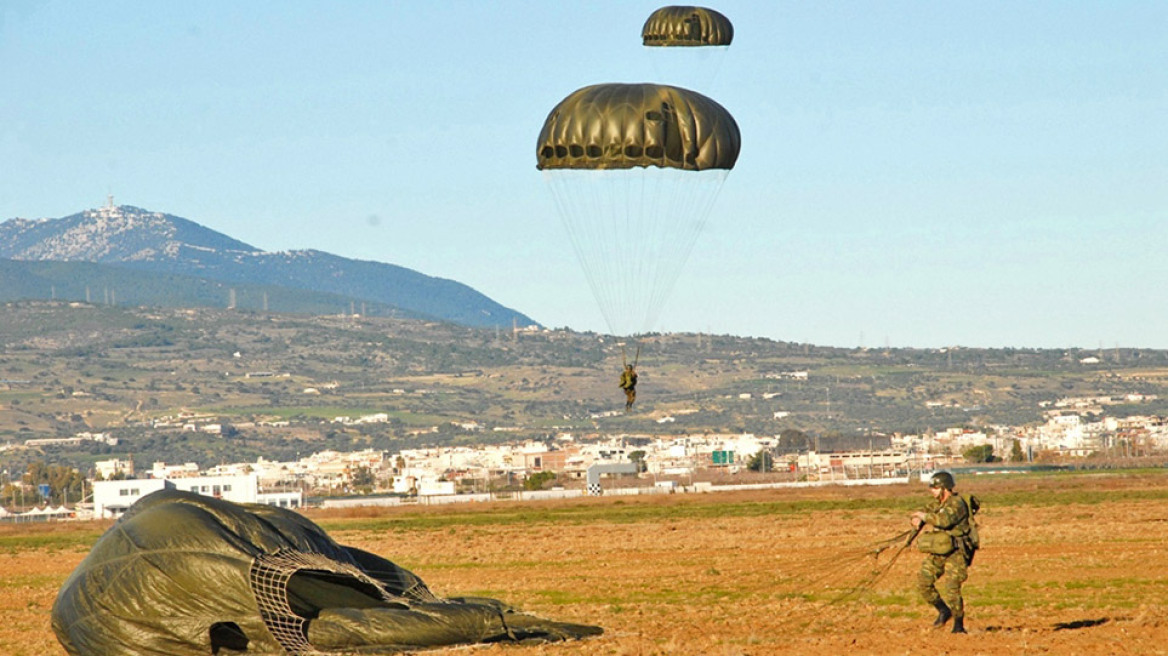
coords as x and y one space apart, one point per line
1075 429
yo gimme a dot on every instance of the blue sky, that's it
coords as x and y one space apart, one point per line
912 173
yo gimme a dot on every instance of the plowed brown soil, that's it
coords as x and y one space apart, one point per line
1070 565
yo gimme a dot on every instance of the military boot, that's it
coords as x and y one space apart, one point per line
943 613
958 625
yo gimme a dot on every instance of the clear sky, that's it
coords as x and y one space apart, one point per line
926 174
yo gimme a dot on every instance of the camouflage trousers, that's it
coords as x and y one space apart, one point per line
955 572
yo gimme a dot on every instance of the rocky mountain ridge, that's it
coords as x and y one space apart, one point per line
129 237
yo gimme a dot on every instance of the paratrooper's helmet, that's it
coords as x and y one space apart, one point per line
943 479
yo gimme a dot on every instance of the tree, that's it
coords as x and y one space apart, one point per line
10 495
793 440
762 461
538 480
983 453
1016 454
638 457
64 482
363 477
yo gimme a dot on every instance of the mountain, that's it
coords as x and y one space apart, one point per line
116 285
152 258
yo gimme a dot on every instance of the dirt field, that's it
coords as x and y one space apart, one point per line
1070 565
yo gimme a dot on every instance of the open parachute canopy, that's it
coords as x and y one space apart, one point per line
183 574
621 126
687 26
634 170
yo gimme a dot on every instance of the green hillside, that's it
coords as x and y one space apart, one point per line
114 285
139 374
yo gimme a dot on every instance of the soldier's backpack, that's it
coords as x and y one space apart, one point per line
972 540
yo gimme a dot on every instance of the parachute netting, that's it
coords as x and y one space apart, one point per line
632 231
269 576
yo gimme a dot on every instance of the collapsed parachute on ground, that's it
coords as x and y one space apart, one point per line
687 27
634 170
185 574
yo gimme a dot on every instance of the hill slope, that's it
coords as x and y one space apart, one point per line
130 238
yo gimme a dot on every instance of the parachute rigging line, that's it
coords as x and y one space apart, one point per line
868 582
857 570
636 358
632 232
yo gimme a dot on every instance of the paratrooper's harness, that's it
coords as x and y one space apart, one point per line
963 536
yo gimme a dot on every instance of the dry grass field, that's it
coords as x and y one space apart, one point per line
1071 564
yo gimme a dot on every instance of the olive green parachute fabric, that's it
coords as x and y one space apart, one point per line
634 170
623 126
687 26
183 574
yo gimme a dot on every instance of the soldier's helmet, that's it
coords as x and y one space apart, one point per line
943 479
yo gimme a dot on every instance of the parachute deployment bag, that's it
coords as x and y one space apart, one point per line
938 543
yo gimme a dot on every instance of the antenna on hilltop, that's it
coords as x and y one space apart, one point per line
111 201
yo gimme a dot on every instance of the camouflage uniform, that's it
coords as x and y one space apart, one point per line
628 382
950 517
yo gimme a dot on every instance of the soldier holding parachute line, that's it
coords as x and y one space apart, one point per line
950 542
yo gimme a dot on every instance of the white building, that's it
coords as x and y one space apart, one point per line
163 470
422 487
109 468
112 498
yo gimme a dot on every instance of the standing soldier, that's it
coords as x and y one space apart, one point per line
949 543
628 382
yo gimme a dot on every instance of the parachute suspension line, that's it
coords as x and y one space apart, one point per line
694 200
610 254
647 240
655 200
596 218
878 571
625 358
625 270
578 199
848 575
656 211
633 231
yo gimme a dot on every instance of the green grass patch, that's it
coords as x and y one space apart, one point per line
632 513
40 581
892 599
48 541
563 597
1048 498
1012 594
1089 594
617 514
326 412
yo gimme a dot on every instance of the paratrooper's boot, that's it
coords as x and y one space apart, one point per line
943 613
958 625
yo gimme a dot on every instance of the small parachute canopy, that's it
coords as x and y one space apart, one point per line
183 574
622 126
687 27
